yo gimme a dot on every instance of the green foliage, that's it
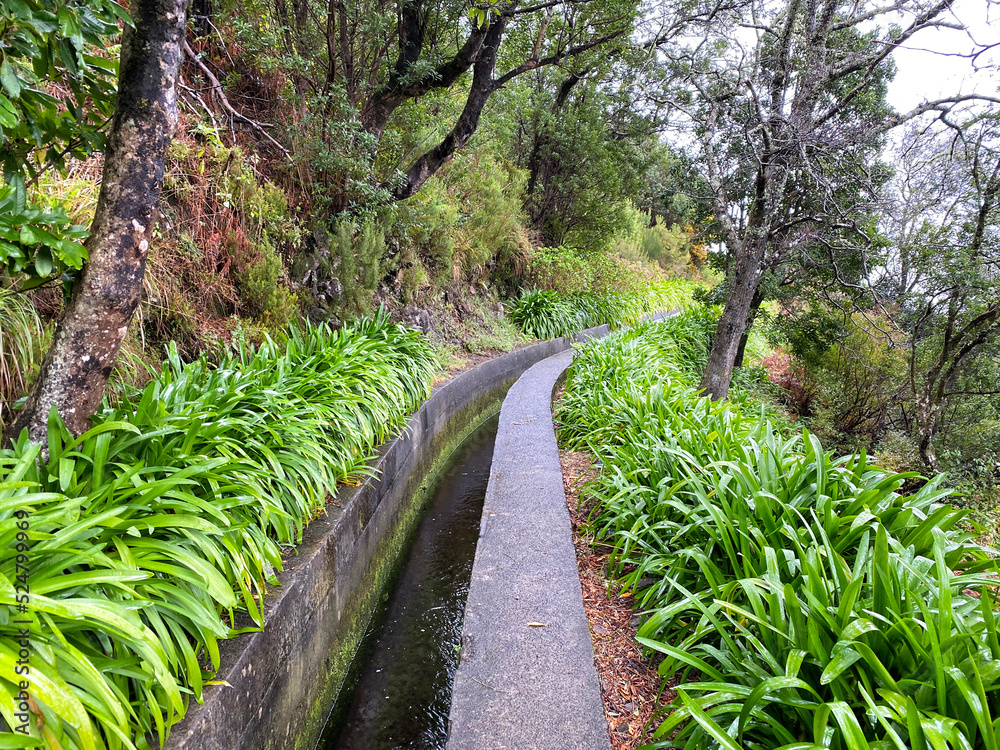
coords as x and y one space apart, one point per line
546 314
262 205
36 242
675 193
503 337
585 150
673 247
219 253
852 375
263 293
811 333
816 605
424 234
149 532
262 208
50 43
466 223
576 290
359 265
365 112
615 275
487 192
75 192
862 378
20 333
568 271
561 269
897 452
44 47
336 152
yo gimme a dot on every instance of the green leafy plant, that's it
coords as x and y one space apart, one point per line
50 45
544 315
36 242
359 255
151 531
560 269
547 314
801 598
20 332
55 42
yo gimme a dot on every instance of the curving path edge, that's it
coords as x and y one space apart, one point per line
526 678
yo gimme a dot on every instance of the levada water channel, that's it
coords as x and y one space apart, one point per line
397 693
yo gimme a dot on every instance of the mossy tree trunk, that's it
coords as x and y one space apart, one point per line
75 370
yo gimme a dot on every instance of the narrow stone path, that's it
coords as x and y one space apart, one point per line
526 679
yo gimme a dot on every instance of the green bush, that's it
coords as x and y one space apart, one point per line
672 247
151 531
263 289
547 314
560 269
359 256
466 223
862 381
544 315
897 451
425 225
803 600
491 226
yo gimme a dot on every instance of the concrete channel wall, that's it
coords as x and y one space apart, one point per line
281 682
526 677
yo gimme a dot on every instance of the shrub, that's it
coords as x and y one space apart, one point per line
218 255
358 255
151 531
491 226
464 224
897 451
503 336
673 248
583 292
560 269
862 378
544 315
804 598
263 289
425 224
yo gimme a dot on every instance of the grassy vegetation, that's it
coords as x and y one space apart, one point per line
20 334
547 314
150 532
802 600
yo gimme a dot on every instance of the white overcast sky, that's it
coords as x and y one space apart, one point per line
925 69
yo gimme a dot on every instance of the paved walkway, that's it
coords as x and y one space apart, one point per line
526 679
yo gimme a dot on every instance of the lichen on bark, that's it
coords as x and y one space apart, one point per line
76 368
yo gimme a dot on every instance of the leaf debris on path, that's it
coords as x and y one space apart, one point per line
630 684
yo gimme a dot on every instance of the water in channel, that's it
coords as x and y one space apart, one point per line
398 691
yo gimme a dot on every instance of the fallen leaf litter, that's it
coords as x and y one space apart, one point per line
630 684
